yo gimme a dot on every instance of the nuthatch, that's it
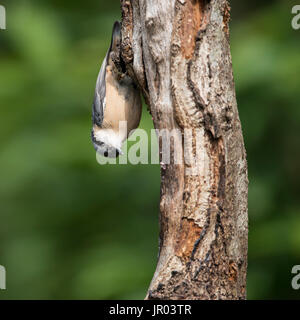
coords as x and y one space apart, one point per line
116 99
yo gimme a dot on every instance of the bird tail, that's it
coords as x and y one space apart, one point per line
116 36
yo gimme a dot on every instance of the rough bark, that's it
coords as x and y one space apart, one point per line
178 53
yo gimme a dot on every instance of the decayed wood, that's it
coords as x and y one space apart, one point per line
178 53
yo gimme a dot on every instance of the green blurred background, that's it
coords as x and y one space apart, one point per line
72 229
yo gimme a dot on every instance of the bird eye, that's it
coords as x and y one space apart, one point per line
105 154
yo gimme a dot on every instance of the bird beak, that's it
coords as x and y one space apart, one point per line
120 152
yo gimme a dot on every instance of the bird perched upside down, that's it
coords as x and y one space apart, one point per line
117 99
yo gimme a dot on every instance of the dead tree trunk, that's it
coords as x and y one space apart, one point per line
178 53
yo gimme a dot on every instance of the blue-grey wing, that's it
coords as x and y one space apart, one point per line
100 91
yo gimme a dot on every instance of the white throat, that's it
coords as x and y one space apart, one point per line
109 137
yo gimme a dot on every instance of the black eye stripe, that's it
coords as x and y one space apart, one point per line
93 137
99 143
